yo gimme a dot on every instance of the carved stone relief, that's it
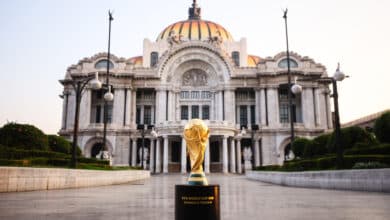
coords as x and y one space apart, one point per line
195 77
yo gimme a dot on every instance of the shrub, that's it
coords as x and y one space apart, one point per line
321 143
16 153
382 149
349 137
382 128
23 136
92 161
299 145
311 149
59 144
370 165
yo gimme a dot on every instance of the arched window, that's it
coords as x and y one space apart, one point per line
236 57
102 64
283 63
284 107
153 59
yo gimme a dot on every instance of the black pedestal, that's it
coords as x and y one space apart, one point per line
197 202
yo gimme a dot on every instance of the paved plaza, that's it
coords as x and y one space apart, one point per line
154 199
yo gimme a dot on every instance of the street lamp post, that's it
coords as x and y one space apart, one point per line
79 86
108 96
338 76
289 82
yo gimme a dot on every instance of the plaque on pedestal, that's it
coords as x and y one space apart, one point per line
197 202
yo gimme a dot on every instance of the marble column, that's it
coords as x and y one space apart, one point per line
134 153
263 111
118 106
151 158
224 155
85 109
183 156
128 107
165 154
230 113
307 107
133 106
232 156
219 107
257 152
171 106
161 102
158 156
71 110
212 107
207 158
238 146
257 106
273 106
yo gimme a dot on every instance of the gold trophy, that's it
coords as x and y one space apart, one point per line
196 134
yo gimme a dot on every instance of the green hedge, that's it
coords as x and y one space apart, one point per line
349 137
16 153
383 149
299 146
327 163
23 136
382 127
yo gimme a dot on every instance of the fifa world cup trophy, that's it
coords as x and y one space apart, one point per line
196 134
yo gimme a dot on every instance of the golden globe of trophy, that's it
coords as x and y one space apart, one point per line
196 134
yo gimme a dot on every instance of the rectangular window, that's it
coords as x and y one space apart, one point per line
194 111
253 115
98 114
138 115
283 111
148 115
243 115
184 112
195 95
109 113
205 112
185 95
236 57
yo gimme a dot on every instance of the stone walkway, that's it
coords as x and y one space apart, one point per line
154 199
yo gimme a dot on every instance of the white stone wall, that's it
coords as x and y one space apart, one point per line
19 179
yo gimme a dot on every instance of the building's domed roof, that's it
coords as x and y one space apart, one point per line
253 60
136 61
195 28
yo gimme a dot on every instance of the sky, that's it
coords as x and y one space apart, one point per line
39 39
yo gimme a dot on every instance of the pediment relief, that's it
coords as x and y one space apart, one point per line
194 77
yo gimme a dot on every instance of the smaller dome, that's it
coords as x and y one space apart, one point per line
253 60
136 61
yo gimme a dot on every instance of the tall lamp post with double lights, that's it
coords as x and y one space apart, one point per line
108 96
338 76
290 88
79 84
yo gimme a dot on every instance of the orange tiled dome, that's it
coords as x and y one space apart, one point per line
253 60
196 29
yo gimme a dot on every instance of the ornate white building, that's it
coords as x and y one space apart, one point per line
195 69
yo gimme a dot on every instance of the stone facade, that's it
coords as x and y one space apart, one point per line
209 76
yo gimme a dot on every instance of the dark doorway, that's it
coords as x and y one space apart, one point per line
96 149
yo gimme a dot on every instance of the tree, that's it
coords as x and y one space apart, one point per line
23 136
382 128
